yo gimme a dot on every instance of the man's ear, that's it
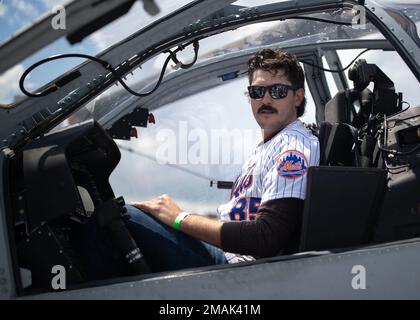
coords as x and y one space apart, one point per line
299 96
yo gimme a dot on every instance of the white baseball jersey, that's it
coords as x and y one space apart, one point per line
276 169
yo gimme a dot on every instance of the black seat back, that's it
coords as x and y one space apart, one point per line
338 109
338 139
341 148
324 134
341 207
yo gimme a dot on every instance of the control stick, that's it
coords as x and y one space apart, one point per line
111 215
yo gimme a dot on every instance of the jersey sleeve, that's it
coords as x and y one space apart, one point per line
287 164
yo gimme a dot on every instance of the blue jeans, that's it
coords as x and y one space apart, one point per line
163 248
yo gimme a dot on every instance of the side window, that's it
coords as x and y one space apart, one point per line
201 138
198 139
309 115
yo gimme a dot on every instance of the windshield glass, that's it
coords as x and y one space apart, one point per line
299 31
290 32
196 140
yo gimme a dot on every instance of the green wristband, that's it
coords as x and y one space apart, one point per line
177 222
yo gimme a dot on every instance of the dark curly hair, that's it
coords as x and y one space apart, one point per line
273 60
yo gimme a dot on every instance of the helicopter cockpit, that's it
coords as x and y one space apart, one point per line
113 134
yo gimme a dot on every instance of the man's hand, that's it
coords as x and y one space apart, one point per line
163 208
166 210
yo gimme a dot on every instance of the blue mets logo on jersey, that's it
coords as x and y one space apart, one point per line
291 164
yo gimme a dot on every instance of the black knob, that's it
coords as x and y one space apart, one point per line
353 75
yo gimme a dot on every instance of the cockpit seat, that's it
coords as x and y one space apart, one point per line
338 138
341 207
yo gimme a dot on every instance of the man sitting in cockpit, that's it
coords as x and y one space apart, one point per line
264 214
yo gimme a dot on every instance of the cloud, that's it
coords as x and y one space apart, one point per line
9 83
25 7
121 28
21 13
49 4
3 9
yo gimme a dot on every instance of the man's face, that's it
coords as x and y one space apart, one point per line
273 115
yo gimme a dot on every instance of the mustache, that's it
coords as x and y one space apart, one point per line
266 107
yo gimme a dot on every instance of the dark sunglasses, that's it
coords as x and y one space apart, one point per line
276 91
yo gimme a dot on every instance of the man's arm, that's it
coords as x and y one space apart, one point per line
278 221
276 229
166 210
203 228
